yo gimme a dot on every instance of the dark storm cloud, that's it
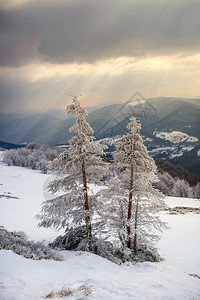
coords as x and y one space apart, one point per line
87 30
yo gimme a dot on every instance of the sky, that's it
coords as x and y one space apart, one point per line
106 50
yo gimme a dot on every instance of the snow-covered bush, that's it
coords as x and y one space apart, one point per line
76 239
34 156
18 243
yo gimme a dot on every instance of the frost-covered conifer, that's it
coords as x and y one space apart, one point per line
113 207
147 203
137 173
76 167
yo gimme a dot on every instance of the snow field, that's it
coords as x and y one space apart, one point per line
21 278
27 279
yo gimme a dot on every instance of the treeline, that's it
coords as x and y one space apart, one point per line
34 156
176 187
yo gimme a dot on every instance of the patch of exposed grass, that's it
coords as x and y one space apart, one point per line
63 293
50 295
85 289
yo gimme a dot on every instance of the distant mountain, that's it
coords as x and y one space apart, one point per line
163 120
37 128
8 146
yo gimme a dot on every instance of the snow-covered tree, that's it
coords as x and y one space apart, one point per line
197 191
112 208
76 167
147 203
165 184
182 188
144 221
137 173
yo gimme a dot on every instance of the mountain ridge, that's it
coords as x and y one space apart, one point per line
172 115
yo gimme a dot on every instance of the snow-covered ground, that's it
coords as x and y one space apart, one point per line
171 152
176 137
21 193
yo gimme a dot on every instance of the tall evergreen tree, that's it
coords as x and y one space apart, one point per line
147 203
144 222
137 170
112 208
76 167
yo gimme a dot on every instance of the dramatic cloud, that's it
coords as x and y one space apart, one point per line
106 49
48 85
87 30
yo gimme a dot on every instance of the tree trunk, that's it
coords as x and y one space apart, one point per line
136 219
122 236
87 212
129 210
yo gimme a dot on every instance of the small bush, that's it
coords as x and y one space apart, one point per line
18 243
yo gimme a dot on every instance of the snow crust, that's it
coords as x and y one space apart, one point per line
21 278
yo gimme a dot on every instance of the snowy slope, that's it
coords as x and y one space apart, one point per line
178 144
19 214
21 278
27 279
176 137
